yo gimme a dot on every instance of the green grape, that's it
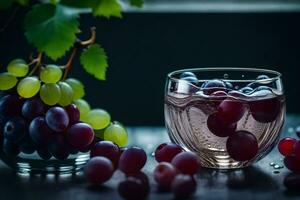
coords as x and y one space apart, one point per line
50 93
84 108
7 81
67 94
51 74
28 87
18 68
117 134
77 87
98 119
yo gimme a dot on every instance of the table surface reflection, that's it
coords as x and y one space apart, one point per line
261 181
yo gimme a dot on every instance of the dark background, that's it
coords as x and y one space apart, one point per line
144 47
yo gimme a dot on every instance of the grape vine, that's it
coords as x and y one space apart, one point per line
52 27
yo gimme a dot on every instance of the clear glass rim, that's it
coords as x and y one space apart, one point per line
277 75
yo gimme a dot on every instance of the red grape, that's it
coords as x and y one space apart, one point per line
164 174
265 110
292 181
141 176
166 152
57 119
286 146
133 188
32 108
218 127
106 149
39 131
58 147
292 163
183 186
10 105
73 113
132 160
186 163
242 146
297 150
98 170
231 110
15 129
80 135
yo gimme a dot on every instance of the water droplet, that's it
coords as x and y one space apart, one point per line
243 75
236 87
271 164
277 166
226 76
290 130
276 172
153 154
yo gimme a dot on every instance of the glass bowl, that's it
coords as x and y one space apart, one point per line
32 163
229 117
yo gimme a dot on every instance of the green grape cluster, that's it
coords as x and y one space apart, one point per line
48 83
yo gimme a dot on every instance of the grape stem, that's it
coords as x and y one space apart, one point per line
37 61
68 66
79 43
91 40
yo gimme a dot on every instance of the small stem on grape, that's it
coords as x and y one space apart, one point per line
68 66
92 39
37 61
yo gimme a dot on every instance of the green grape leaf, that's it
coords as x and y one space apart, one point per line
94 61
137 3
52 29
4 4
107 8
102 8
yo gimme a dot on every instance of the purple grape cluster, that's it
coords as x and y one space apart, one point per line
29 125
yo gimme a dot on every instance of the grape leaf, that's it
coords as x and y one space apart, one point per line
137 3
94 61
102 8
107 8
52 29
4 4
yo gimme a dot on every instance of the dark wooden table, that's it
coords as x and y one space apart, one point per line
261 181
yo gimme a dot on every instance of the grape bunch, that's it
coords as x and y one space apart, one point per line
107 157
44 113
176 170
